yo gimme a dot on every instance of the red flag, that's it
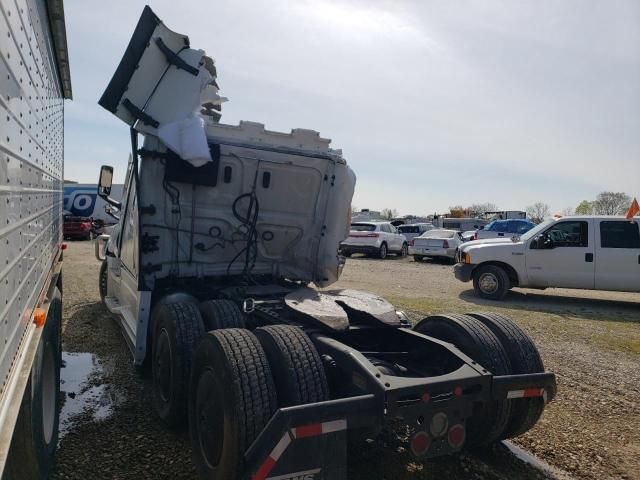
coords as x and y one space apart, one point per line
634 210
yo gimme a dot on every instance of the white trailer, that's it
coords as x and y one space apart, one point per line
34 81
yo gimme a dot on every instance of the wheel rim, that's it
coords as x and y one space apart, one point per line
488 283
210 420
163 364
49 392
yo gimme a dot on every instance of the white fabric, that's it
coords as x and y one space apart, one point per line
187 138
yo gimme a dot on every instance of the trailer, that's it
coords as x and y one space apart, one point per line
35 80
219 273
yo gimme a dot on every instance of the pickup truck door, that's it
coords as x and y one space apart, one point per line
568 262
618 255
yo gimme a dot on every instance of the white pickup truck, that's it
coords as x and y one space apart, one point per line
585 252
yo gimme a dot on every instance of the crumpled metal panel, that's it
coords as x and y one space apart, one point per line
31 168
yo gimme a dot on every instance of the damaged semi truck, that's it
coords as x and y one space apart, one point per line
222 230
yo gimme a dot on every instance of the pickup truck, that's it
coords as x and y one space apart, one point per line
582 252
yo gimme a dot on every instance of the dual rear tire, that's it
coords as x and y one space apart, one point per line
499 345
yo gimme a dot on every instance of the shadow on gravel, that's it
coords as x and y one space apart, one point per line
580 307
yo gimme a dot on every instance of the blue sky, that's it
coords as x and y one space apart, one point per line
433 103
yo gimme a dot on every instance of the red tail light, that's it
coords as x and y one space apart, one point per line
366 235
372 235
410 243
475 235
445 244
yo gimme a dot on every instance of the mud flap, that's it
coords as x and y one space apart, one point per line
309 442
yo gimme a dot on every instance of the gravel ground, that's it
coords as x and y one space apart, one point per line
588 339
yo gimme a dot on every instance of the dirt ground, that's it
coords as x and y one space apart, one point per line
591 340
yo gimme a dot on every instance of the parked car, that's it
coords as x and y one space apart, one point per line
414 230
592 253
77 228
374 238
504 228
437 243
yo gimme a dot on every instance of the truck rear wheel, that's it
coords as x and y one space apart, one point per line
474 339
35 436
491 282
176 329
524 358
218 314
296 365
232 396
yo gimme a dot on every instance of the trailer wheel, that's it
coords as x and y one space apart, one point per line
36 432
103 278
218 314
474 339
524 358
176 329
296 365
232 396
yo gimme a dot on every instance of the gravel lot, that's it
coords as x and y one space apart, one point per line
591 340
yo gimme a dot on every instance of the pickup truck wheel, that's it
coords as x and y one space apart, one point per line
232 396
35 437
491 282
296 365
382 252
524 358
474 339
176 329
218 314
103 278
418 258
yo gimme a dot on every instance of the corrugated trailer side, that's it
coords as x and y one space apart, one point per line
34 81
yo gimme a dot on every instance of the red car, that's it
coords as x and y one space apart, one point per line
77 228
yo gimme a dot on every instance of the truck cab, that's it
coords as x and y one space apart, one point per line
582 252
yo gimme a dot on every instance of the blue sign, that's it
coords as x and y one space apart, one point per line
80 201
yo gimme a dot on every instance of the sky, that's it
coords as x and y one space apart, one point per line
433 103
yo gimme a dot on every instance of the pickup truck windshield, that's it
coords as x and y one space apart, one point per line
536 230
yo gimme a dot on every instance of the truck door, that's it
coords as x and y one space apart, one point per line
618 255
127 288
566 260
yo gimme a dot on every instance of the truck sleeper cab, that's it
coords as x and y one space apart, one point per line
590 253
208 272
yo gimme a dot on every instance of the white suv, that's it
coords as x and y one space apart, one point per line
374 238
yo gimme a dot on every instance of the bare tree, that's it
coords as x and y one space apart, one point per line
611 203
538 212
457 212
584 208
389 213
478 209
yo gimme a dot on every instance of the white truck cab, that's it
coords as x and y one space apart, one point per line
582 252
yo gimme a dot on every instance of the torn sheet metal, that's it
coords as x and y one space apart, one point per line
162 87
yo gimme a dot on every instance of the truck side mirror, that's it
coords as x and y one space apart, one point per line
106 179
104 185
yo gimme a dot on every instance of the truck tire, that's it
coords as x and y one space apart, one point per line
383 251
218 314
418 258
35 436
296 365
474 339
103 278
176 329
491 282
524 358
232 396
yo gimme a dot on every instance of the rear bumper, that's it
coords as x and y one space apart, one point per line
370 249
433 252
463 271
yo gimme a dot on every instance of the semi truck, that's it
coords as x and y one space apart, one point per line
34 82
219 272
